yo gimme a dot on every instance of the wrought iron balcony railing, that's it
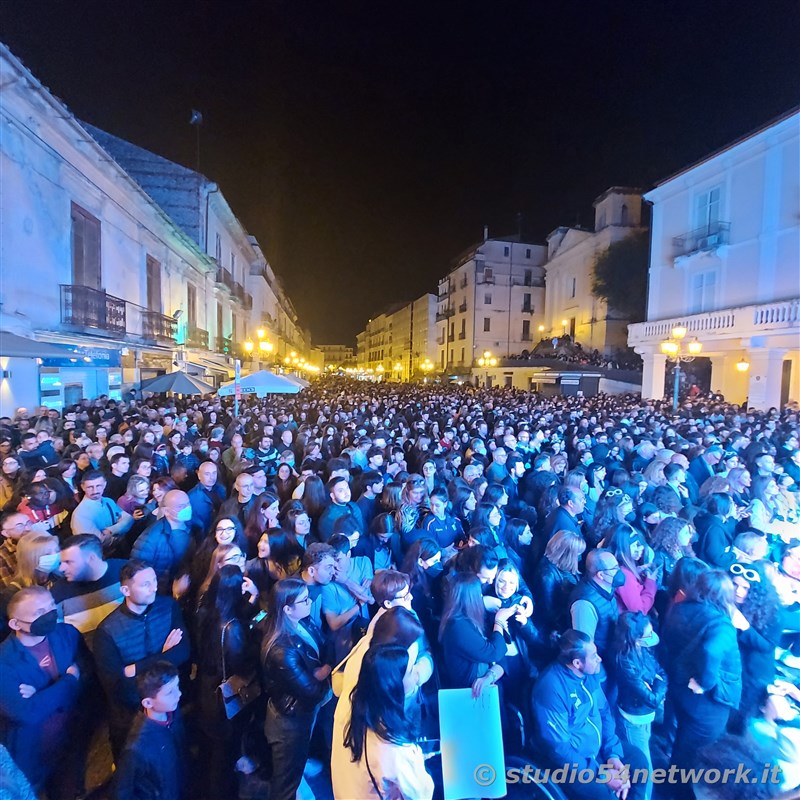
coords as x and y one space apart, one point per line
196 337
85 307
462 308
158 326
709 237
445 313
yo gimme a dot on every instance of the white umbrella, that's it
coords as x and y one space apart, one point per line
301 382
260 383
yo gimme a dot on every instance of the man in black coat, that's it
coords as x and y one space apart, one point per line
571 502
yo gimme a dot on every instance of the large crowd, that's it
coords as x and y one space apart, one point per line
252 605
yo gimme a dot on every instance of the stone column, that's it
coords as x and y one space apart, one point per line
654 366
766 373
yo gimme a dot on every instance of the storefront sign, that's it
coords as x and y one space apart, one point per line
84 357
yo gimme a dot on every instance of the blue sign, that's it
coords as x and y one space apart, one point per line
75 356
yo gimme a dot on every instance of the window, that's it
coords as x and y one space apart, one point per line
233 265
707 208
526 301
528 279
451 356
153 284
574 287
462 355
191 304
488 275
623 215
702 294
452 331
218 249
463 328
527 252
487 299
526 330
487 324
506 251
220 330
86 270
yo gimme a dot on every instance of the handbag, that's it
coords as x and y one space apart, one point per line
237 691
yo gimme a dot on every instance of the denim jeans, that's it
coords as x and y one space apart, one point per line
639 736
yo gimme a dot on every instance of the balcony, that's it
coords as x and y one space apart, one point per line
224 278
709 237
445 291
84 307
781 318
196 337
462 335
247 301
440 339
156 326
464 282
528 310
526 337
444 314
462 308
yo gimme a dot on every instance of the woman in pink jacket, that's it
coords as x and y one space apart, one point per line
635 557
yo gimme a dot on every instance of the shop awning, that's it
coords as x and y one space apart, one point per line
13 346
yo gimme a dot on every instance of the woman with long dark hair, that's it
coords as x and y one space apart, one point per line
641 681
315 500
468 656
703 664
263 516
758 628
384 760
517 538
227 647
423 565
464 505
296 680
284 483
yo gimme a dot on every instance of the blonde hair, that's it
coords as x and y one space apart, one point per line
30 548
564 550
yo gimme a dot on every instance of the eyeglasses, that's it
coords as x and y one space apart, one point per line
225 530
305 600
614 492
750 575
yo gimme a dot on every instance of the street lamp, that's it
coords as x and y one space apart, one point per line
380 369
673 349
398 368
564 323
248 346
487 360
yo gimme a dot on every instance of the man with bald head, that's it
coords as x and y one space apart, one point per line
594 607
166 543
206 497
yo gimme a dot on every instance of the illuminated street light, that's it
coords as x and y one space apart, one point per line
265 347
742 365
248 346
673 350
541 329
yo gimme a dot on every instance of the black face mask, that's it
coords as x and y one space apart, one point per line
619 579
45 625
435 569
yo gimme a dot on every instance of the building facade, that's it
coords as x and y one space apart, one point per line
97 271
570 306
493 299
337 355
725 265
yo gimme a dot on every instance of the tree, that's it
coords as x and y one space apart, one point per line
620 276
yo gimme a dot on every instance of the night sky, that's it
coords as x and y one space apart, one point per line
366 144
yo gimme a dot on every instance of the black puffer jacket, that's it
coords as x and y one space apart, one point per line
642 682
289 667
551 592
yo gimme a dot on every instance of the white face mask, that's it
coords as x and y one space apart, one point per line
49 563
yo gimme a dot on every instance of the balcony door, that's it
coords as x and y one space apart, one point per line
707 210
86 269
153 285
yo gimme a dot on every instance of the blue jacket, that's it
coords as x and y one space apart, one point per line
205 507
574 724
23 721
163 548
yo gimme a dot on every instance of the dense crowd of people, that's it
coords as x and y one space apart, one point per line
246 604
